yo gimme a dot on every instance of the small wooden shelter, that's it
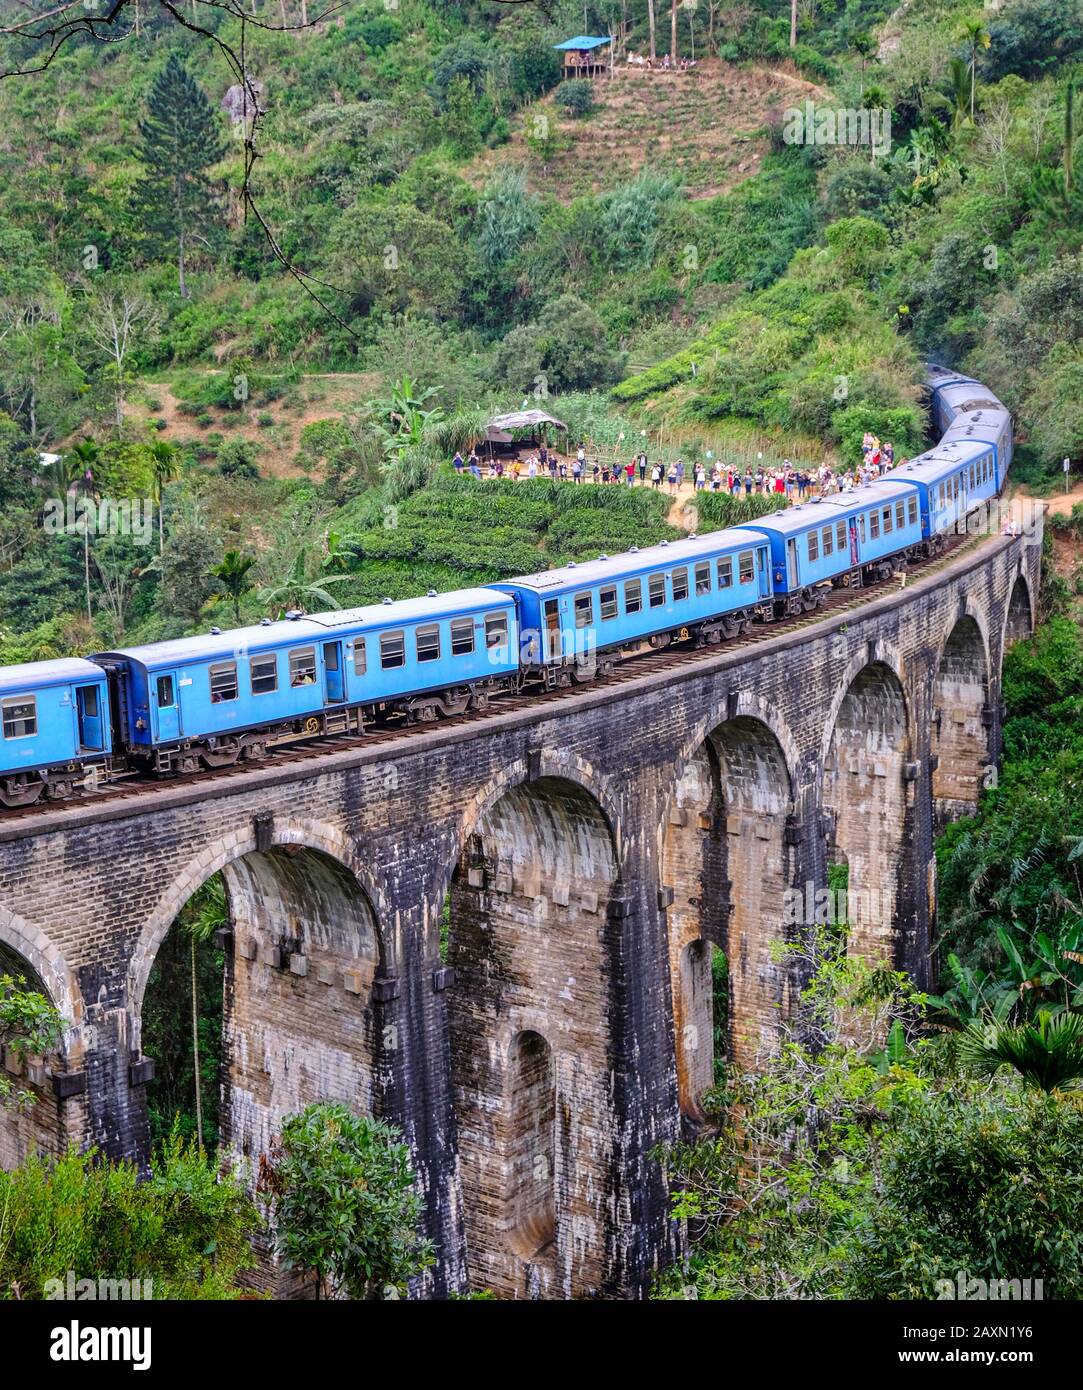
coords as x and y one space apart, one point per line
585 56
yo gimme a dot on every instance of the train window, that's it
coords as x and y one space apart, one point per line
607 603
900 515
840 536
703 578
223 677
263 673
427 638
829 541
584 610
746 567
656 588
973 476
912 510
725 572
874 525
165 692
20 717
814 545
887 520
496 630
861 524
360 657
941 494
679 579
392 649
462 636
955 486
633 596
303 666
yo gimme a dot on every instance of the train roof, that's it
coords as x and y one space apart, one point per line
936 463
685 550
864 495
805 515
38 674
312 627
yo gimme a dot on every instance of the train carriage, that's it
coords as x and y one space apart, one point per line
843 539
211 698
579 617
965 411
55 728
953 481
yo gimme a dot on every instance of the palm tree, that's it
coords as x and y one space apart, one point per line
975 35
960 84
165 461
793 23
296 591
231 578
1047 1052
865 47
80 464
209 911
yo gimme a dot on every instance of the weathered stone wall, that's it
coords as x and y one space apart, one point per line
534 1072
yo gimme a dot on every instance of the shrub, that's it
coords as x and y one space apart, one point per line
576 96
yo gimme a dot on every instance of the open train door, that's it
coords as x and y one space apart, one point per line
334 691
89 712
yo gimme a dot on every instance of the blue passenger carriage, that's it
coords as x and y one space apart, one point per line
578 619
953 480
211 699
55 728
839 541
965 411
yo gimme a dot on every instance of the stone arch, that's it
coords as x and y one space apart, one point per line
298 1018
1019 615
869 781
962 718
531 902
51 972
309 834
40 1127
725 869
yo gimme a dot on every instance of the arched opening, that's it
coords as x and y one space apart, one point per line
531 1124
182 1019
961 716
1019 622
36 1126
726 870
296 946
868 792
530 1016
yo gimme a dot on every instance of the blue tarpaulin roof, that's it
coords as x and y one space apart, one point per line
581 41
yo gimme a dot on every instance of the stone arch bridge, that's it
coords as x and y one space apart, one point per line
499 934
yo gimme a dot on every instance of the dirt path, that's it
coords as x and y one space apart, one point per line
1061 502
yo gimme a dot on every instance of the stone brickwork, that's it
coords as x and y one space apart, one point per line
595 848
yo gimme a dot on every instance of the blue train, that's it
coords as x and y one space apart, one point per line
203 702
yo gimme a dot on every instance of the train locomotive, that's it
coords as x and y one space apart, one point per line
177 707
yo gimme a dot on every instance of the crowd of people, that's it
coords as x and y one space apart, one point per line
785 480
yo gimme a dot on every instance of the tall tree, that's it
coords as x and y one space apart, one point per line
651 25
793 23
165 462
673 32
975 35
175 199
113 322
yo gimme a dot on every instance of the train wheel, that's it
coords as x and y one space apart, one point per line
19 791
60 791
224 755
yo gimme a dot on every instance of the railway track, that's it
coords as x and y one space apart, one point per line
130 789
